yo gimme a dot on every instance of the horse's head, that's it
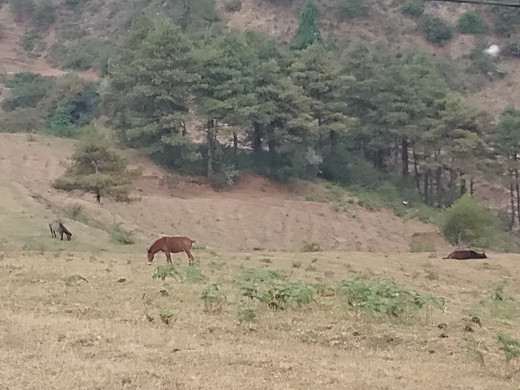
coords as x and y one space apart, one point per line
150 256
69 236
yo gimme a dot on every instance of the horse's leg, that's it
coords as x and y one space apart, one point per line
190 257
61 235
168 257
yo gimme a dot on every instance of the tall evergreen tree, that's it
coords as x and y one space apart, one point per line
149 91
97 169
506 140
308 30
225 95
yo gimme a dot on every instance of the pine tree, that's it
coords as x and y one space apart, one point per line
98 169
308 31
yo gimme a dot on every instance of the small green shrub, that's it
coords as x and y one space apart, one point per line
261 275
76 213
213 298
246 314
233 5
512 46
483 63
496 304
385 298
471 23
469 222
506 20
273 290
163 271
29 40
166 316
193 275
225 177
27 89
510 346
60 123
413 8
281 296
435 29
121 235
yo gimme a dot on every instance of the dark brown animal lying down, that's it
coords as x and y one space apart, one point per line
465 254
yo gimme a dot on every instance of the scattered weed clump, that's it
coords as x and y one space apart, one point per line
166 270
510 346
213 298
385 299
471 23
166 316
246 314
414 8
193 275
496 304
272 288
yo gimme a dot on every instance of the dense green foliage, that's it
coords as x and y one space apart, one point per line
308 31
97 169
470 223
385 298
413 8
435 29
471 23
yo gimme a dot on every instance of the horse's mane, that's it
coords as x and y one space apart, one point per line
65 230
155 243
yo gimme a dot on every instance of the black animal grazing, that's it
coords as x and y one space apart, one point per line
57 227
466 254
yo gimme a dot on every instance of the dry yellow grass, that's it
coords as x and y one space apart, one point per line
59 331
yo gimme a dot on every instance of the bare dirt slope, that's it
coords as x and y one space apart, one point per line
254 214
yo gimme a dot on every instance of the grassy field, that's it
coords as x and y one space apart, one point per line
76 320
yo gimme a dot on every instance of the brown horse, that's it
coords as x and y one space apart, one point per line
171 245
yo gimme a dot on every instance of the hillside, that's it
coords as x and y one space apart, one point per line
81 30
254 214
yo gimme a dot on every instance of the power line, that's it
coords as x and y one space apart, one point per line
482 2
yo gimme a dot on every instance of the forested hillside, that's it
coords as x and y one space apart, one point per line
389 96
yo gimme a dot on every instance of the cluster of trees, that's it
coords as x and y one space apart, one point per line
352 117
301 113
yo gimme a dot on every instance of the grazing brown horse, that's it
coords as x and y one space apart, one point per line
465 254
171 245
57 227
